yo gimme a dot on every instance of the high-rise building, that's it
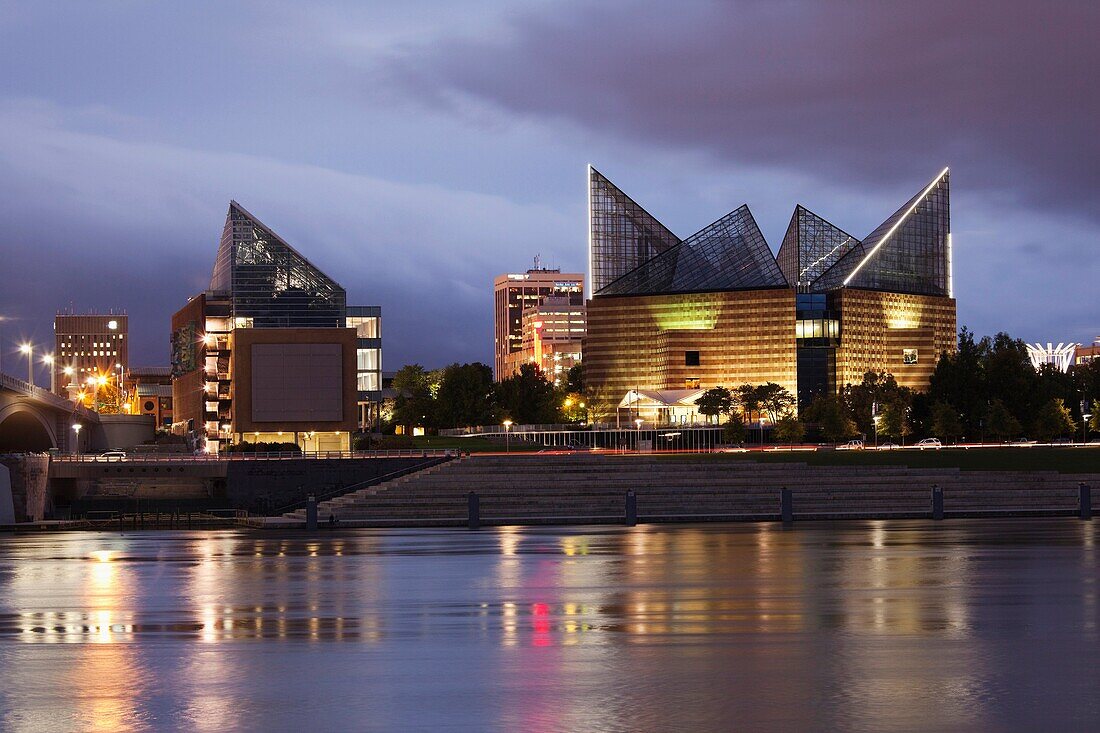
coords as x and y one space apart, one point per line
553 337
270 352
719 309
515 292
91 346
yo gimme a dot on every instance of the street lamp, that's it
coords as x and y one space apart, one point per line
47 359
28 349
507 430
638 433
76 442
1085 417
875 420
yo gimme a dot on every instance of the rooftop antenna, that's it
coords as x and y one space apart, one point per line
538 261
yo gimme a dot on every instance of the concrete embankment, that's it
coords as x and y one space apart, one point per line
576 489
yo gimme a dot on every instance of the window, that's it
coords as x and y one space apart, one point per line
691 358
909 356
691 383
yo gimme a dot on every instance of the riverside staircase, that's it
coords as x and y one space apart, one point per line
592 488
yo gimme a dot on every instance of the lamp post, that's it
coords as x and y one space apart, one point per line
638 433
47 359
68 371
875 420
76 441
507 431
28 349
1085 417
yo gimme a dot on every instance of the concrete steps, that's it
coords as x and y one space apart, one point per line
579 488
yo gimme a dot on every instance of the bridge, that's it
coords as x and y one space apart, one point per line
35 420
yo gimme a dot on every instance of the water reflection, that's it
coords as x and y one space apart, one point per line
864 625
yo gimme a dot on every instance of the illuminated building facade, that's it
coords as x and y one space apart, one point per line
553 337
89 346
1085 354
719 309
514 293
271 352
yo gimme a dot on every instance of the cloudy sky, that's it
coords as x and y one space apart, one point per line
414 150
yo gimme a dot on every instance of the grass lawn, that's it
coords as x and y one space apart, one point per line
1065 460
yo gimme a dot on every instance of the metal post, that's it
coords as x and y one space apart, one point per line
631 509
1084 492
937 502
311 512
473 510
786 505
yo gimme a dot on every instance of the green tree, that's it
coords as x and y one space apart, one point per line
601 402
465 396
1000 424
827 411
528 398
789 430
414 404
574 378
1053 420
574 408
877 388
945 421
748 397
715 401
775 400
894 420
734 431
1094 421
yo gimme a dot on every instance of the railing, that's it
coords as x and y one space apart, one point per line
33 390
625 424
272 456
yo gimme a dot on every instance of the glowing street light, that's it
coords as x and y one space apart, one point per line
76 443
507 430
28 349
47 359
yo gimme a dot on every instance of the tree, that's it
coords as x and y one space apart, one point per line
528 398
601 402
1000 423
789 430
1053 420
574 378
465 396
876 388
414 404
775 400
748 397
715 401
573 407
734 431
894 420
945 421
1094 421
827 411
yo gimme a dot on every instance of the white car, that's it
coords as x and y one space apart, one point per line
851 445
932 443
112 455
889 446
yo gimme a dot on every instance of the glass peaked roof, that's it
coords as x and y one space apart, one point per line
622 235
810 247
269 282
907 253
730 254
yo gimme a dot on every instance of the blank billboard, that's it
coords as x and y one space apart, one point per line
297 383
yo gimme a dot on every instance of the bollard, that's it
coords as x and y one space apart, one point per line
631 509
311 512
937 502
1084 500
473 510
786 505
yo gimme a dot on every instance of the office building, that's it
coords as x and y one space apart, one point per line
90 346
671 316
513 293
1085 354
270 352
151 393
553 335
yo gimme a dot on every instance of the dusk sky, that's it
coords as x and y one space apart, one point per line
415 150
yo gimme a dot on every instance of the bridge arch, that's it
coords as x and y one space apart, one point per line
24 429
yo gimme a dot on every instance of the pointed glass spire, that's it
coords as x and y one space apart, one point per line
907 253
810 247
271 284
622 235
730 254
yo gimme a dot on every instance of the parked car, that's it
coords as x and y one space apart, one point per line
112 455
851 445
930 443
889 446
